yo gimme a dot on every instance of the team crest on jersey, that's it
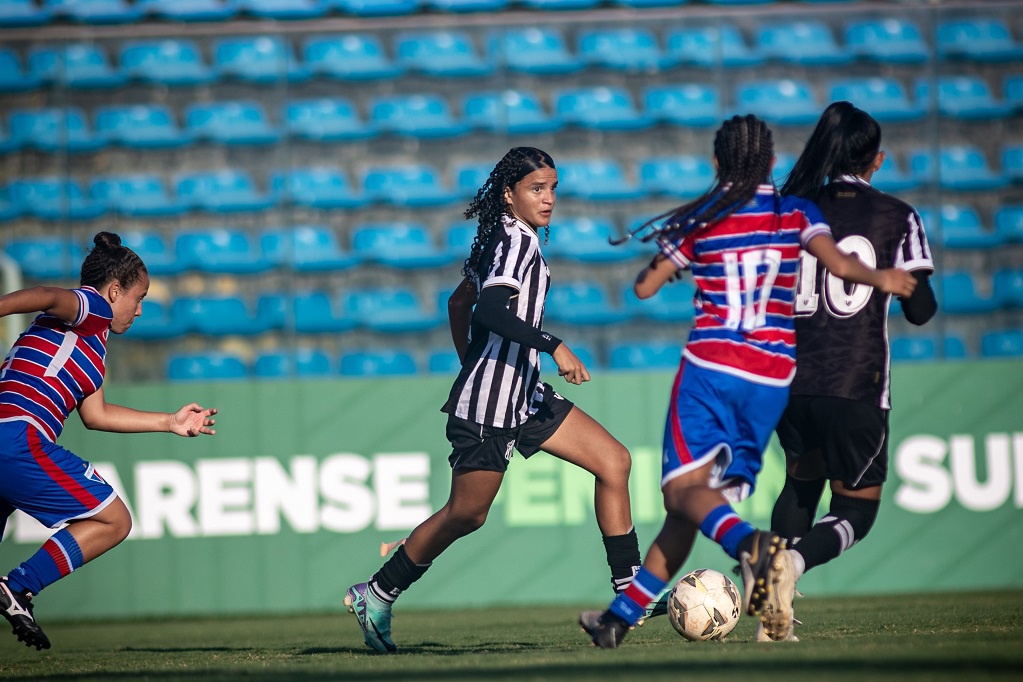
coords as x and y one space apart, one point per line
93 475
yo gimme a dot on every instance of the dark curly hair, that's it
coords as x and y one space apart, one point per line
109 260
490 204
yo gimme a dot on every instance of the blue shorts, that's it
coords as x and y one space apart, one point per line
47 482
721 417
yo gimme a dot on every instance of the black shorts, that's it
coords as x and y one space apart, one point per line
852 437
476 446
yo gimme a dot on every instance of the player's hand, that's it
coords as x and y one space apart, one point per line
192 420
896 281
570 366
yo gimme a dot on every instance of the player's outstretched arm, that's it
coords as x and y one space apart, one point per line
659 272
189 421
61 303
848 267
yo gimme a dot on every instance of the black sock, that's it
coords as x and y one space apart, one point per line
396 576
623 558
848 522
796 508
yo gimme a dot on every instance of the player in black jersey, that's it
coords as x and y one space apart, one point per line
835 427
498 402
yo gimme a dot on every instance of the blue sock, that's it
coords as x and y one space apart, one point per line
58 557
724 527
630 605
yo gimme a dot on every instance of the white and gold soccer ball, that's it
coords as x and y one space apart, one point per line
704 604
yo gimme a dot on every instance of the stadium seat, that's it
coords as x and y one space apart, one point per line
46 257
8 209
689 104
221 250
884 98
259 59
406 185
459 238
708 46
136 194
960 227
53 198
377 362
1013 92
584 240
507 111
13 77
977 39
317 313
1012 162
891 178
441 53
157 322
316 188
958 295
623 49
189 10
306 248
559 5
685 176
892 40
1009 223
349 57
600 108
470 176
209 366
961 168
326 120
75 65
298 362
141 126
390 310
94 11
673 303
915 348
404 245
236 123
1007 288
159 257
534 50
221 191
645 355
443 361
643 4
596 179
783 164
784 101
22 13
582 303
170 62
967 97
376 8
53 129
283 9
804 42
218 316
421 115
466 6
1006 343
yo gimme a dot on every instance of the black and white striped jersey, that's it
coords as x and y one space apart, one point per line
499 384
842 329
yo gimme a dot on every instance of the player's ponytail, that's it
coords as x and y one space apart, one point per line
110 261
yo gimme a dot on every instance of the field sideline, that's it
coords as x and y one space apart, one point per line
967 636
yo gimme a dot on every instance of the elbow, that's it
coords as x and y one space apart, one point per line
920 316
643 291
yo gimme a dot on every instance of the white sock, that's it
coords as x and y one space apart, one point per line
798 563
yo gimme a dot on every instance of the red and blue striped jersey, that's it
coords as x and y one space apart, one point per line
745 268
54 365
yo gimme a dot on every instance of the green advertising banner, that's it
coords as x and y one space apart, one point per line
288 504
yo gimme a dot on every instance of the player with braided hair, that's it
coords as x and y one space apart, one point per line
498 402
741 241
55 366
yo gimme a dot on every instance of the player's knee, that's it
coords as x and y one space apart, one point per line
617 466
860 513
466 522
118 522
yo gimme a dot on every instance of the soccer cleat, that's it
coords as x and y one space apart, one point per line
761 635
16 607
605 629
374 622
757 569
776 614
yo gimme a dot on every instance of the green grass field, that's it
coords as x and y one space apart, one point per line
971 636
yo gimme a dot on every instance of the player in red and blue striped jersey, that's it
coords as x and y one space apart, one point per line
57 365
742 243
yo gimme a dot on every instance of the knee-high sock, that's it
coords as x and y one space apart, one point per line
848 522
623 558
395 576
59 556
723 526
796 507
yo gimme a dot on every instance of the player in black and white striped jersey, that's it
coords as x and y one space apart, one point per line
498 402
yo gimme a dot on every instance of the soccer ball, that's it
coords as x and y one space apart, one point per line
704 605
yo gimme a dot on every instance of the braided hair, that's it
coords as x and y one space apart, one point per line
744 149
845 142
490 205
110 261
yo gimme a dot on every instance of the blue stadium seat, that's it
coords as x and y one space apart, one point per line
783 164
961 168
891 178
377 362
221 250
142 126
892 40
583 351
284 9
601 108
470 176
534 50
170 62
960 227
967 97
443 361
306 248
53 129
684 176
259 59
21 13
559 5
958 295
218 316
13 77
317 188
584 240
459 238
420 115
623 49
884 98
596 179
391 310
208 366
95 11
53 198
1014 92
1007 288
806 42
221 191
688 104
75 65
466 6
915 348
352 56
786 101
645 355
237 123
404 245
643 4
317 313
442 53
977 39
508 111
1009 223
136 194
406 185
673 303
376 8
297 362
189 10
157 322
583 303
1006 343
707 46
1012 162
326 120
8 209
46 256
154 250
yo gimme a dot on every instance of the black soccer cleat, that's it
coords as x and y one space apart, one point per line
16 607
758 570
605 629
